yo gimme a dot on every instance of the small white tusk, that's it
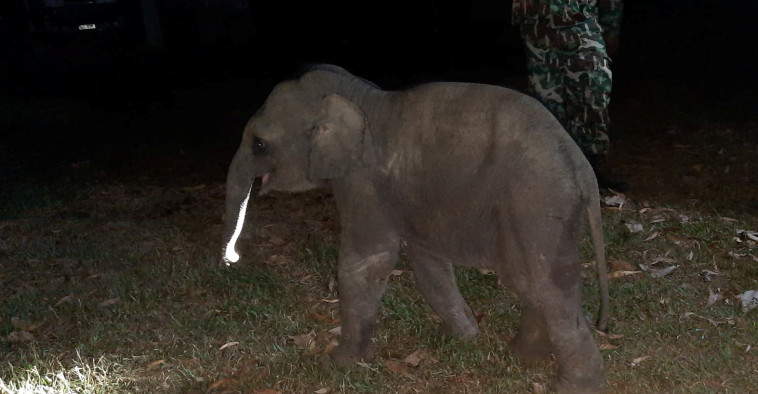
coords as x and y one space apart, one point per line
230 256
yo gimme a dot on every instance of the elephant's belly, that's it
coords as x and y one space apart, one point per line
467 240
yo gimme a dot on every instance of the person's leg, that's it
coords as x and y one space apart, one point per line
587 95
544 73
568 71
588 80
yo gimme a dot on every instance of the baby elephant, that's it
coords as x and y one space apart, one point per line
458 173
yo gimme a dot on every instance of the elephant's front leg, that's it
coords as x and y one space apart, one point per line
436 280
368 253
362 281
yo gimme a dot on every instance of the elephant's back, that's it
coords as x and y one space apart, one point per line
480 131
467 145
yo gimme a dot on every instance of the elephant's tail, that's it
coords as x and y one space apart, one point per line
596 228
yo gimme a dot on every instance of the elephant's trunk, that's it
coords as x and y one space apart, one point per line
239 183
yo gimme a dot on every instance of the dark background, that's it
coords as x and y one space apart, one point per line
130 106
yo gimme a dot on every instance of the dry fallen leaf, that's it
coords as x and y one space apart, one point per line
662 272
621 265
748 235
304 340
611 336
661 259
538 388
337 331
225 382
197 188
639 360
616 200
749 300
324 390
686 315
330 346
324 318
20 337
228 344
619 274
713 322
277 259
634 227
414 359
607 346
68 298
109 302
713 297
155 365
708 275
714 384
651 236
266 391
676 239
397 366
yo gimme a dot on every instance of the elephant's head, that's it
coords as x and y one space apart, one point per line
300 137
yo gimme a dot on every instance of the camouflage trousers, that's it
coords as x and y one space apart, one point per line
569 73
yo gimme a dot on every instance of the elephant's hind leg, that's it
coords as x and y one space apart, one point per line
544 270
580 365
532 343
436 280
553 322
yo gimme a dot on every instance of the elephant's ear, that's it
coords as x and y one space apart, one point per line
337 139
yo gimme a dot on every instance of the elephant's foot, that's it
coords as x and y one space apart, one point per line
580 365
530 348
463 333
343 356
462 325
584 385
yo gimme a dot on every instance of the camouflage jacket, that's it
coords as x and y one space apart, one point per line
565 13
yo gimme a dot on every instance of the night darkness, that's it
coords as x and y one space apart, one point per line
194 93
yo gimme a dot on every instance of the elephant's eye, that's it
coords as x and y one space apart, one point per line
260 146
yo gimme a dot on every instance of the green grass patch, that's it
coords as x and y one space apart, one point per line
116 288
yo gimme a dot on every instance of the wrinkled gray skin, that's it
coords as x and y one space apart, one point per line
456 173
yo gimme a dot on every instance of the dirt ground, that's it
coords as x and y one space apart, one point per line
682 145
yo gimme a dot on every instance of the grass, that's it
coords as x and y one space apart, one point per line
116 288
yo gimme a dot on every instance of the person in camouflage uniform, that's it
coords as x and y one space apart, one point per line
568 64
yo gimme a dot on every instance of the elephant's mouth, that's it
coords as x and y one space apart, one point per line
266 184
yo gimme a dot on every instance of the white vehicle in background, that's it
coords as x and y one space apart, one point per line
72 19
